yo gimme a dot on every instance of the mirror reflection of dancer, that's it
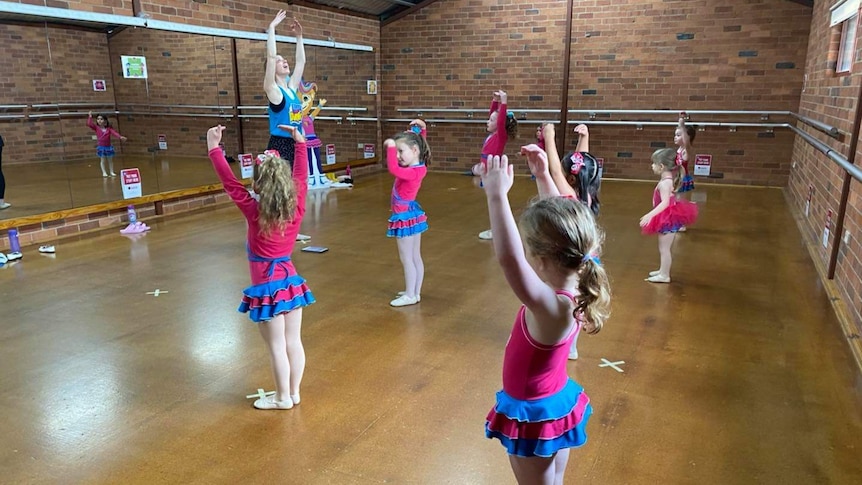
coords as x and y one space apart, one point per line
104 149
278 293
407 156
551 261
285 107
501 125
308 92
576 176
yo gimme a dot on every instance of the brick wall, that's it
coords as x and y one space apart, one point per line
830 98
633 54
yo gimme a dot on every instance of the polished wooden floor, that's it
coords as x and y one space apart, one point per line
736 373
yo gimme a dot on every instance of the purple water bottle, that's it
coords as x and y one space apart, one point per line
14 245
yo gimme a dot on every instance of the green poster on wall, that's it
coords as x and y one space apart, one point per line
134 67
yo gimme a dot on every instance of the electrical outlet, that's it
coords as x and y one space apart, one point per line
846 236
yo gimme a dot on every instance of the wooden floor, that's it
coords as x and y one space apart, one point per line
736 373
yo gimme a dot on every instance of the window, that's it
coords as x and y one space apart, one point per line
844 15
848 44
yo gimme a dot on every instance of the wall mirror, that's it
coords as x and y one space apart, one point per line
192 82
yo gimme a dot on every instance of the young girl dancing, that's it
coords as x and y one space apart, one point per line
278 293
104 149
577 176
501 125
541 412
407 156
669 213
683 138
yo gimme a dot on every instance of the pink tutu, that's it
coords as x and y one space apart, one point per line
678 214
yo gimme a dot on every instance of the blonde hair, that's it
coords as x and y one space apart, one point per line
273 181
666 159
564 231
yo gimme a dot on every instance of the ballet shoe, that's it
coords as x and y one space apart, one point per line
658 279
654 273
402 293
269 402
404 300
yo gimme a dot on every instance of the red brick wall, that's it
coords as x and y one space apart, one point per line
832 99
633 54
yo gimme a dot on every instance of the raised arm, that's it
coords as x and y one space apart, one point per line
583 138
497 179
502 112
232 186
273 93
686 140
300 170
299 65
316 110
398 171
90 123
537 159
555 165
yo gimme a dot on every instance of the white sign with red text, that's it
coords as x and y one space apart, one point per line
131 179
330 154
246 165
702 165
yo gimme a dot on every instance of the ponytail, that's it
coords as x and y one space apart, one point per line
594 300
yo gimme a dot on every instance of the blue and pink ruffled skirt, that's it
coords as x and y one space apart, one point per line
268 299
687 184
541 427
409 222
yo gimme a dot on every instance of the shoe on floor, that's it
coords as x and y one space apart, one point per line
404 300
5 205
573 354
3 259
14 256
654 273
486 235
658 279
47 249
269 402
402 293
303 237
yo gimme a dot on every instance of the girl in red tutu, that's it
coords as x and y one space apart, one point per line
552 265
669 213
278 294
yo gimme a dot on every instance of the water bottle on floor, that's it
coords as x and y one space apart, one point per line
133 216
14 245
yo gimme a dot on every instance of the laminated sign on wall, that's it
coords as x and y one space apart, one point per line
702 165
131 178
